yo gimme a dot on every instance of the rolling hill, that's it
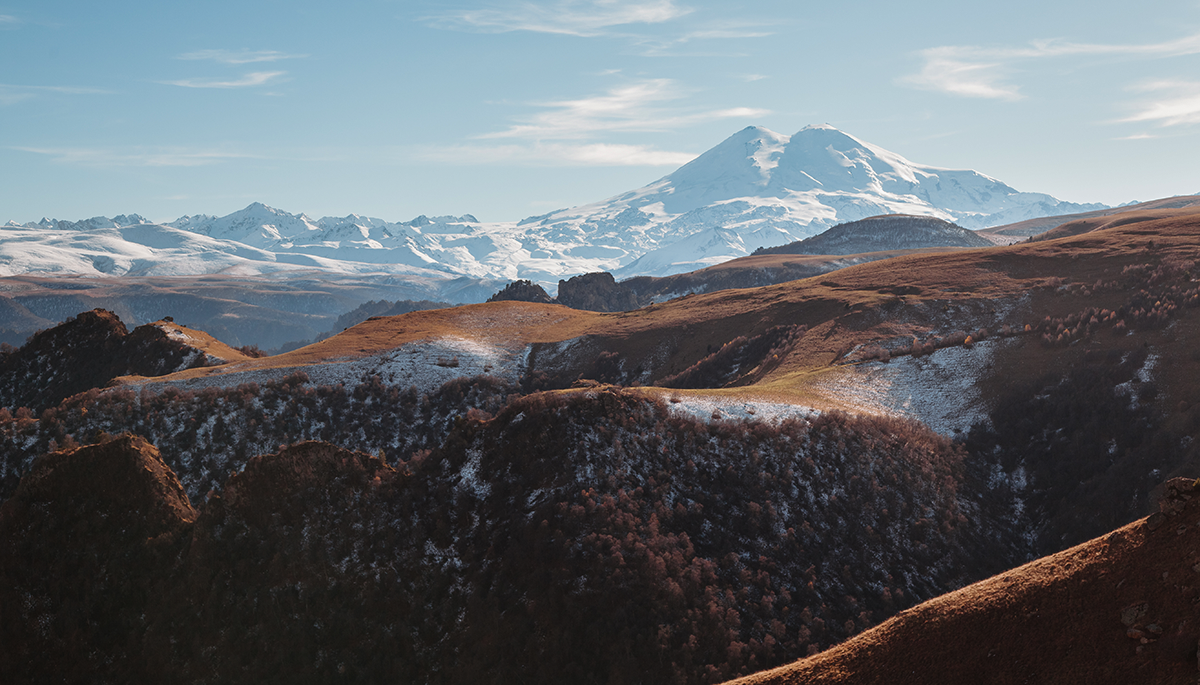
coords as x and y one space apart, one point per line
879 233
1116 609
953 414
964 341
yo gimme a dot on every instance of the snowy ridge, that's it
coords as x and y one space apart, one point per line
756 189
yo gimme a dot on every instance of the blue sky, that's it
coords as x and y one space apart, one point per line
508 109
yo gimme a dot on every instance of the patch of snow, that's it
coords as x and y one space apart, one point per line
469 476
426 365
937 389
719 407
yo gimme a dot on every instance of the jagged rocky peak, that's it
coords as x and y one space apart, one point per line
522 291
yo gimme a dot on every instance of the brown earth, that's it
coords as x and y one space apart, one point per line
90 349
1032 227
886 301
1118 609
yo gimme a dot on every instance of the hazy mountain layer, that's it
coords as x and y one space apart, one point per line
756 189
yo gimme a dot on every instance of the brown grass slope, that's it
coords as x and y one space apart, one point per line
888 300
1118 609
1130 216
1032 227
90 349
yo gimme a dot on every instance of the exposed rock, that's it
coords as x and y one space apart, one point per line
1176 494
523 291
84 352
596 292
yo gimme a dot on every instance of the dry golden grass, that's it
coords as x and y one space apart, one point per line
202 341
1031 226
902 296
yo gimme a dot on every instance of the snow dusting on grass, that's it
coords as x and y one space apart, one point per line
937 389
717 407
427 365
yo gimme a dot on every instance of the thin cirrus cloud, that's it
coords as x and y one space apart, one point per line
1178 104
636 107
11 94
161 157
256 78
238 56
556 154
980 72
568 17
565 131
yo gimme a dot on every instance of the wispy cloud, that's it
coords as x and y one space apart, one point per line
8 20
256 78
633 107
1176 103
571 132
569 17
947 70
987 72
11 94
238 56
157 157
669 44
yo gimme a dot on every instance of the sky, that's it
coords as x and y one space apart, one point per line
511 108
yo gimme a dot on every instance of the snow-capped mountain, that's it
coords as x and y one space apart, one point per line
770 189
756 189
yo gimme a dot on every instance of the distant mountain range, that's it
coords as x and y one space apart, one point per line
756 189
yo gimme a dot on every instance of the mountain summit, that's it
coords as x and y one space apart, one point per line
772 189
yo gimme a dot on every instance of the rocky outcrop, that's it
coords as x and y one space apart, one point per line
84 352
523 291
597 292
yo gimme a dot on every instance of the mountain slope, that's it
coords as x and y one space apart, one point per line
1031 227
878 233
473 562
89 350
757 188
1117 609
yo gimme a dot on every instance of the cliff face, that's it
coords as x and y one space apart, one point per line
597 292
